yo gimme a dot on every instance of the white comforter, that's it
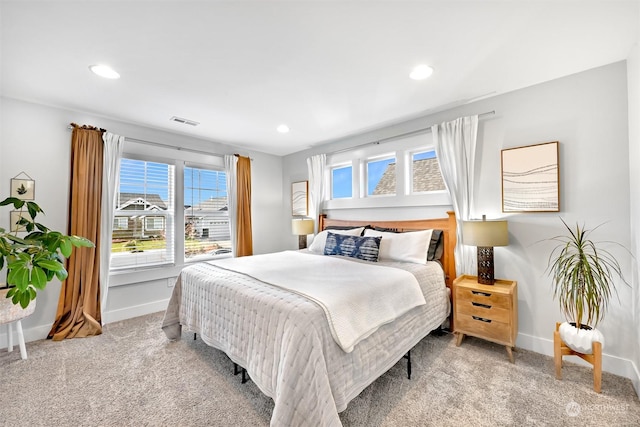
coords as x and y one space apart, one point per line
357 298
284 341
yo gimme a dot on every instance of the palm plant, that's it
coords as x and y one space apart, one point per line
583 276
34 260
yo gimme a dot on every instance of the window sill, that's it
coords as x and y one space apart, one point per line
148 274
131 276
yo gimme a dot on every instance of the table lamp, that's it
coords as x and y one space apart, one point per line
485 235
302 227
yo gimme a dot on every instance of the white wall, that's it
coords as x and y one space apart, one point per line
587 114
633 79
34 139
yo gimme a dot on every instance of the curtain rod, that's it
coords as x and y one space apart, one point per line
159 144
172 147
391 138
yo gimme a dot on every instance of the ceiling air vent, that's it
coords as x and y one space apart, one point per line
184 121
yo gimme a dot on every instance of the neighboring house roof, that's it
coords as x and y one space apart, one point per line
429 177
426 172
129 201
214 204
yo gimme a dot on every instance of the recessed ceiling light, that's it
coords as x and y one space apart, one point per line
104 71
283 129
421 72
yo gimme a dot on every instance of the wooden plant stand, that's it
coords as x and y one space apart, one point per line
595 358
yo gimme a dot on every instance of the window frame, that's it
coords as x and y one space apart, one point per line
177 157
154 218
331 180
202 257
410 162
117 220
402 147
379 158
168 258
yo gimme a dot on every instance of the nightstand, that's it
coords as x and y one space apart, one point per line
489 312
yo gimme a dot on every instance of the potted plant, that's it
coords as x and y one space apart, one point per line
583 277
34 260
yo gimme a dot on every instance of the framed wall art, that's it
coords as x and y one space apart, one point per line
530 178
299 198
23 188
14 218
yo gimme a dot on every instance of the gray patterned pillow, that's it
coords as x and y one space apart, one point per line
365 248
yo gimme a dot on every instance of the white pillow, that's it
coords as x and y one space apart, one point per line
317 245
408 247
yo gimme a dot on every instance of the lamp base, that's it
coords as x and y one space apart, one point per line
485 265
302 241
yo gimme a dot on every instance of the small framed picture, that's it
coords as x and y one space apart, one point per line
23 189
15 218
299 199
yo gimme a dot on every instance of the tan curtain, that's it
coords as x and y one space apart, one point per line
245 239
78 313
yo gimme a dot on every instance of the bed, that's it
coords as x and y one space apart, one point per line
286 340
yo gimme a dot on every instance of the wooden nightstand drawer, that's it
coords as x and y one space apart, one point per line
484 328
491 298
484 310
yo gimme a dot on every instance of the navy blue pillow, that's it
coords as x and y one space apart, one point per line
365 248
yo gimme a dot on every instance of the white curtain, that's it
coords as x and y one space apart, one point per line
112 153
317 191
230 166
455 144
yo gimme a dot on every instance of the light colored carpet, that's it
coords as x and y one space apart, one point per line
132 375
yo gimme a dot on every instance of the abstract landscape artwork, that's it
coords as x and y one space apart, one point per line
299 202
530 178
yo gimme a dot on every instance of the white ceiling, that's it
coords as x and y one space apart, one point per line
328 69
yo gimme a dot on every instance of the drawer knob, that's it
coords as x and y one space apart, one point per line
484 294
481 319
477 304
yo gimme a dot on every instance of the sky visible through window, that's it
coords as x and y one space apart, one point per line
203 184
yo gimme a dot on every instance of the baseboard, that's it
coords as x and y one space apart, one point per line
612 364
636 379
134 311
35 333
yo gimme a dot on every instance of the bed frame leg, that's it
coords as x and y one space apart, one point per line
439 332
195 336
408 357
237 369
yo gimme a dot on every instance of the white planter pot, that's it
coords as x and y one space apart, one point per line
10 312
580 340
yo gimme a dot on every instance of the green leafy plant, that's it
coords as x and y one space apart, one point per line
34 260
583 276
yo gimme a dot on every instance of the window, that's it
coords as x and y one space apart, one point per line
206 217
381 176
144 213
341 182
154 223
425 172
120 223
402 172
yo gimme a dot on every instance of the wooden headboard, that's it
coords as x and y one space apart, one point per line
447 225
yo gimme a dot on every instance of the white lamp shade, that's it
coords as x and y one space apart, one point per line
302 227
485 233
